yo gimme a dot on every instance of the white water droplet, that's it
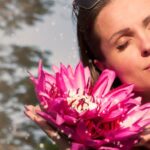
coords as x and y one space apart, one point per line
69 136
41 145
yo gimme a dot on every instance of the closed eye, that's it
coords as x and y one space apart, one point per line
122 46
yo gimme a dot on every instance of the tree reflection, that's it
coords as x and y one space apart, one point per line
15 91
15 13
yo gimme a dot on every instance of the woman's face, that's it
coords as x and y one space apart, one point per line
124 30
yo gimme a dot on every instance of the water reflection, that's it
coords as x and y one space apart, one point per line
16 13
17 132
15 90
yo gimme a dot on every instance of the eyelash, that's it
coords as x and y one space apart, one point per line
122 46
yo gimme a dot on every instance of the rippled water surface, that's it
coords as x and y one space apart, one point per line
30 30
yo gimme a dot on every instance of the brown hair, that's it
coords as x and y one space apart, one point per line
88 42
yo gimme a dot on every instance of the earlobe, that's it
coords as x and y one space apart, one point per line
99 65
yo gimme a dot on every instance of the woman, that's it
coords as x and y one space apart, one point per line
113 34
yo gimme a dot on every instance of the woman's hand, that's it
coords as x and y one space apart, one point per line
31 112
144 143
145 137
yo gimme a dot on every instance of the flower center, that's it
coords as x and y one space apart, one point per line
80 101
98 129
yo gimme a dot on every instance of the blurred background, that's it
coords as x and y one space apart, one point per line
30 30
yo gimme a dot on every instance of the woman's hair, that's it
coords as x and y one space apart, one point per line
88 41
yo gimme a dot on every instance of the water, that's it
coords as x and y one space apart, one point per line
30 30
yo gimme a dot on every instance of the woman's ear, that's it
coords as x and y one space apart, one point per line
99 65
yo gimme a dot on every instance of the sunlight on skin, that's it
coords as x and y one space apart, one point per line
31 112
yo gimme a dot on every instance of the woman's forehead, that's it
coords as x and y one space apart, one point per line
119 14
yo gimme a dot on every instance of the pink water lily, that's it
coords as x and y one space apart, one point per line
92 116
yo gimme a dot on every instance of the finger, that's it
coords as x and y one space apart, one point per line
53 134
30 115
29 108
32 108
145 138
30 111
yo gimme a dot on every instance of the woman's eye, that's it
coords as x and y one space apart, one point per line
122 46
148 26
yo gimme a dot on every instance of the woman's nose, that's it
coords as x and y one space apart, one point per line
145 44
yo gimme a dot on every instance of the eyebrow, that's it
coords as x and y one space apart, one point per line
121 32
145 22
